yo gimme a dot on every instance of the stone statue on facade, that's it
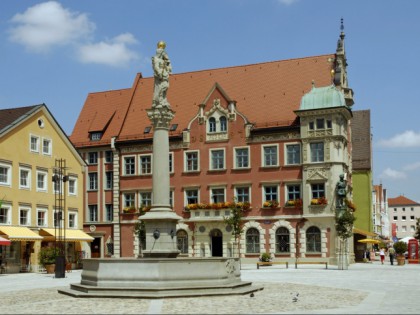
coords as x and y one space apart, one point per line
341 191
162 68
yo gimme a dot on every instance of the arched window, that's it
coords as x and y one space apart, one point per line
252 241
282 240
313 240
182 241
212 124
223 124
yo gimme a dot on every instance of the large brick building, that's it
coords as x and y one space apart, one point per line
274 134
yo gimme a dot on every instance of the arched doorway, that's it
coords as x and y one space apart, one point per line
216 238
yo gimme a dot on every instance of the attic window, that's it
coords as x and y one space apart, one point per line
147 129
173 127
95 136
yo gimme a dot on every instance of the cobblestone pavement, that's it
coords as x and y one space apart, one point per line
311 289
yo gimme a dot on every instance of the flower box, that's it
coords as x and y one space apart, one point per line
297 203
271 204
321 201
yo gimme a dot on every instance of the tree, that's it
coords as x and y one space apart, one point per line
417 234
235 221
344 219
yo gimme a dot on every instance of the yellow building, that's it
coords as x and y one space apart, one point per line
31 144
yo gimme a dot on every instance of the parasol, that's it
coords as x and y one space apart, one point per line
369 241
4 241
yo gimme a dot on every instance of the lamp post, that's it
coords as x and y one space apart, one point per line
59 179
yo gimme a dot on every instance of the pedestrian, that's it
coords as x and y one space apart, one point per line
382 254
391 252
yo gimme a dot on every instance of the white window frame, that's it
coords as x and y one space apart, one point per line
264 199
197 152
36 149
8 208
149 201
125 165
95 183
88 162
286 153
28 216
45 211
106 180
211 194
28 179
286 187
316 158
88 213
72 179
45 181
194 189
110 154
263 164
241 187
8 169
109 207
235 157
171 163
75 219
49 147
125 199
211 159
140 164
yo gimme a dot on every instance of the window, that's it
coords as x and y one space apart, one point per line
96 136
395 218
182 241
313 240
171 198
92 213
145 164
109 179
241 157
173 127
58 218
292 154
217 195
191 161
171 162
72 186
318 191
317 152
217 159
329 124
223 124
403 228
212 124
270 193
109 212
72 220
146 198
403 218
395 209
282 240
93 181
242 194
93 158
412 209
252 241
25 178
129 200
270 157
109 158
320 123
24 216
293 192
311 125
412 228
5 174
411 217
41 217
41 181
129 165
34 144
4 215
46 146
403 209
191 195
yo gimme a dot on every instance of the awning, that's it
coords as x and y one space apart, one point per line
71 235
4 241
19 233
363 232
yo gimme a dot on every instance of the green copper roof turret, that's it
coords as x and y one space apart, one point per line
322 97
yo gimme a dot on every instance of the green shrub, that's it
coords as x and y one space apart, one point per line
47 255
265 257
400 247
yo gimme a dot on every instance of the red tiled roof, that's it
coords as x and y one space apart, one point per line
401 201
264 92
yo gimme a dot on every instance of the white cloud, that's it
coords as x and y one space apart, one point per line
406 139
48 24
287 2
393 174
412 167
114 52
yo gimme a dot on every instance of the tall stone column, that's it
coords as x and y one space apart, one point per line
161 220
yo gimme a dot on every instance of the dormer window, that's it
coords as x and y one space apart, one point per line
147 129
223 124
212 124
95 136
173 127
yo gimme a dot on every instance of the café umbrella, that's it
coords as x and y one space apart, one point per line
369 241
4 241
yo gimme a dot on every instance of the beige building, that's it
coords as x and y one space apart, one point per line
31 143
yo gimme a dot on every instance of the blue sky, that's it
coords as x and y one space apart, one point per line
56 52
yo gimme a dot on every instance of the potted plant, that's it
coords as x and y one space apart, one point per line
400 249
265 257
47 256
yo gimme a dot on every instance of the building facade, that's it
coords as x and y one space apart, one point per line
403 215
274 136
30 142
